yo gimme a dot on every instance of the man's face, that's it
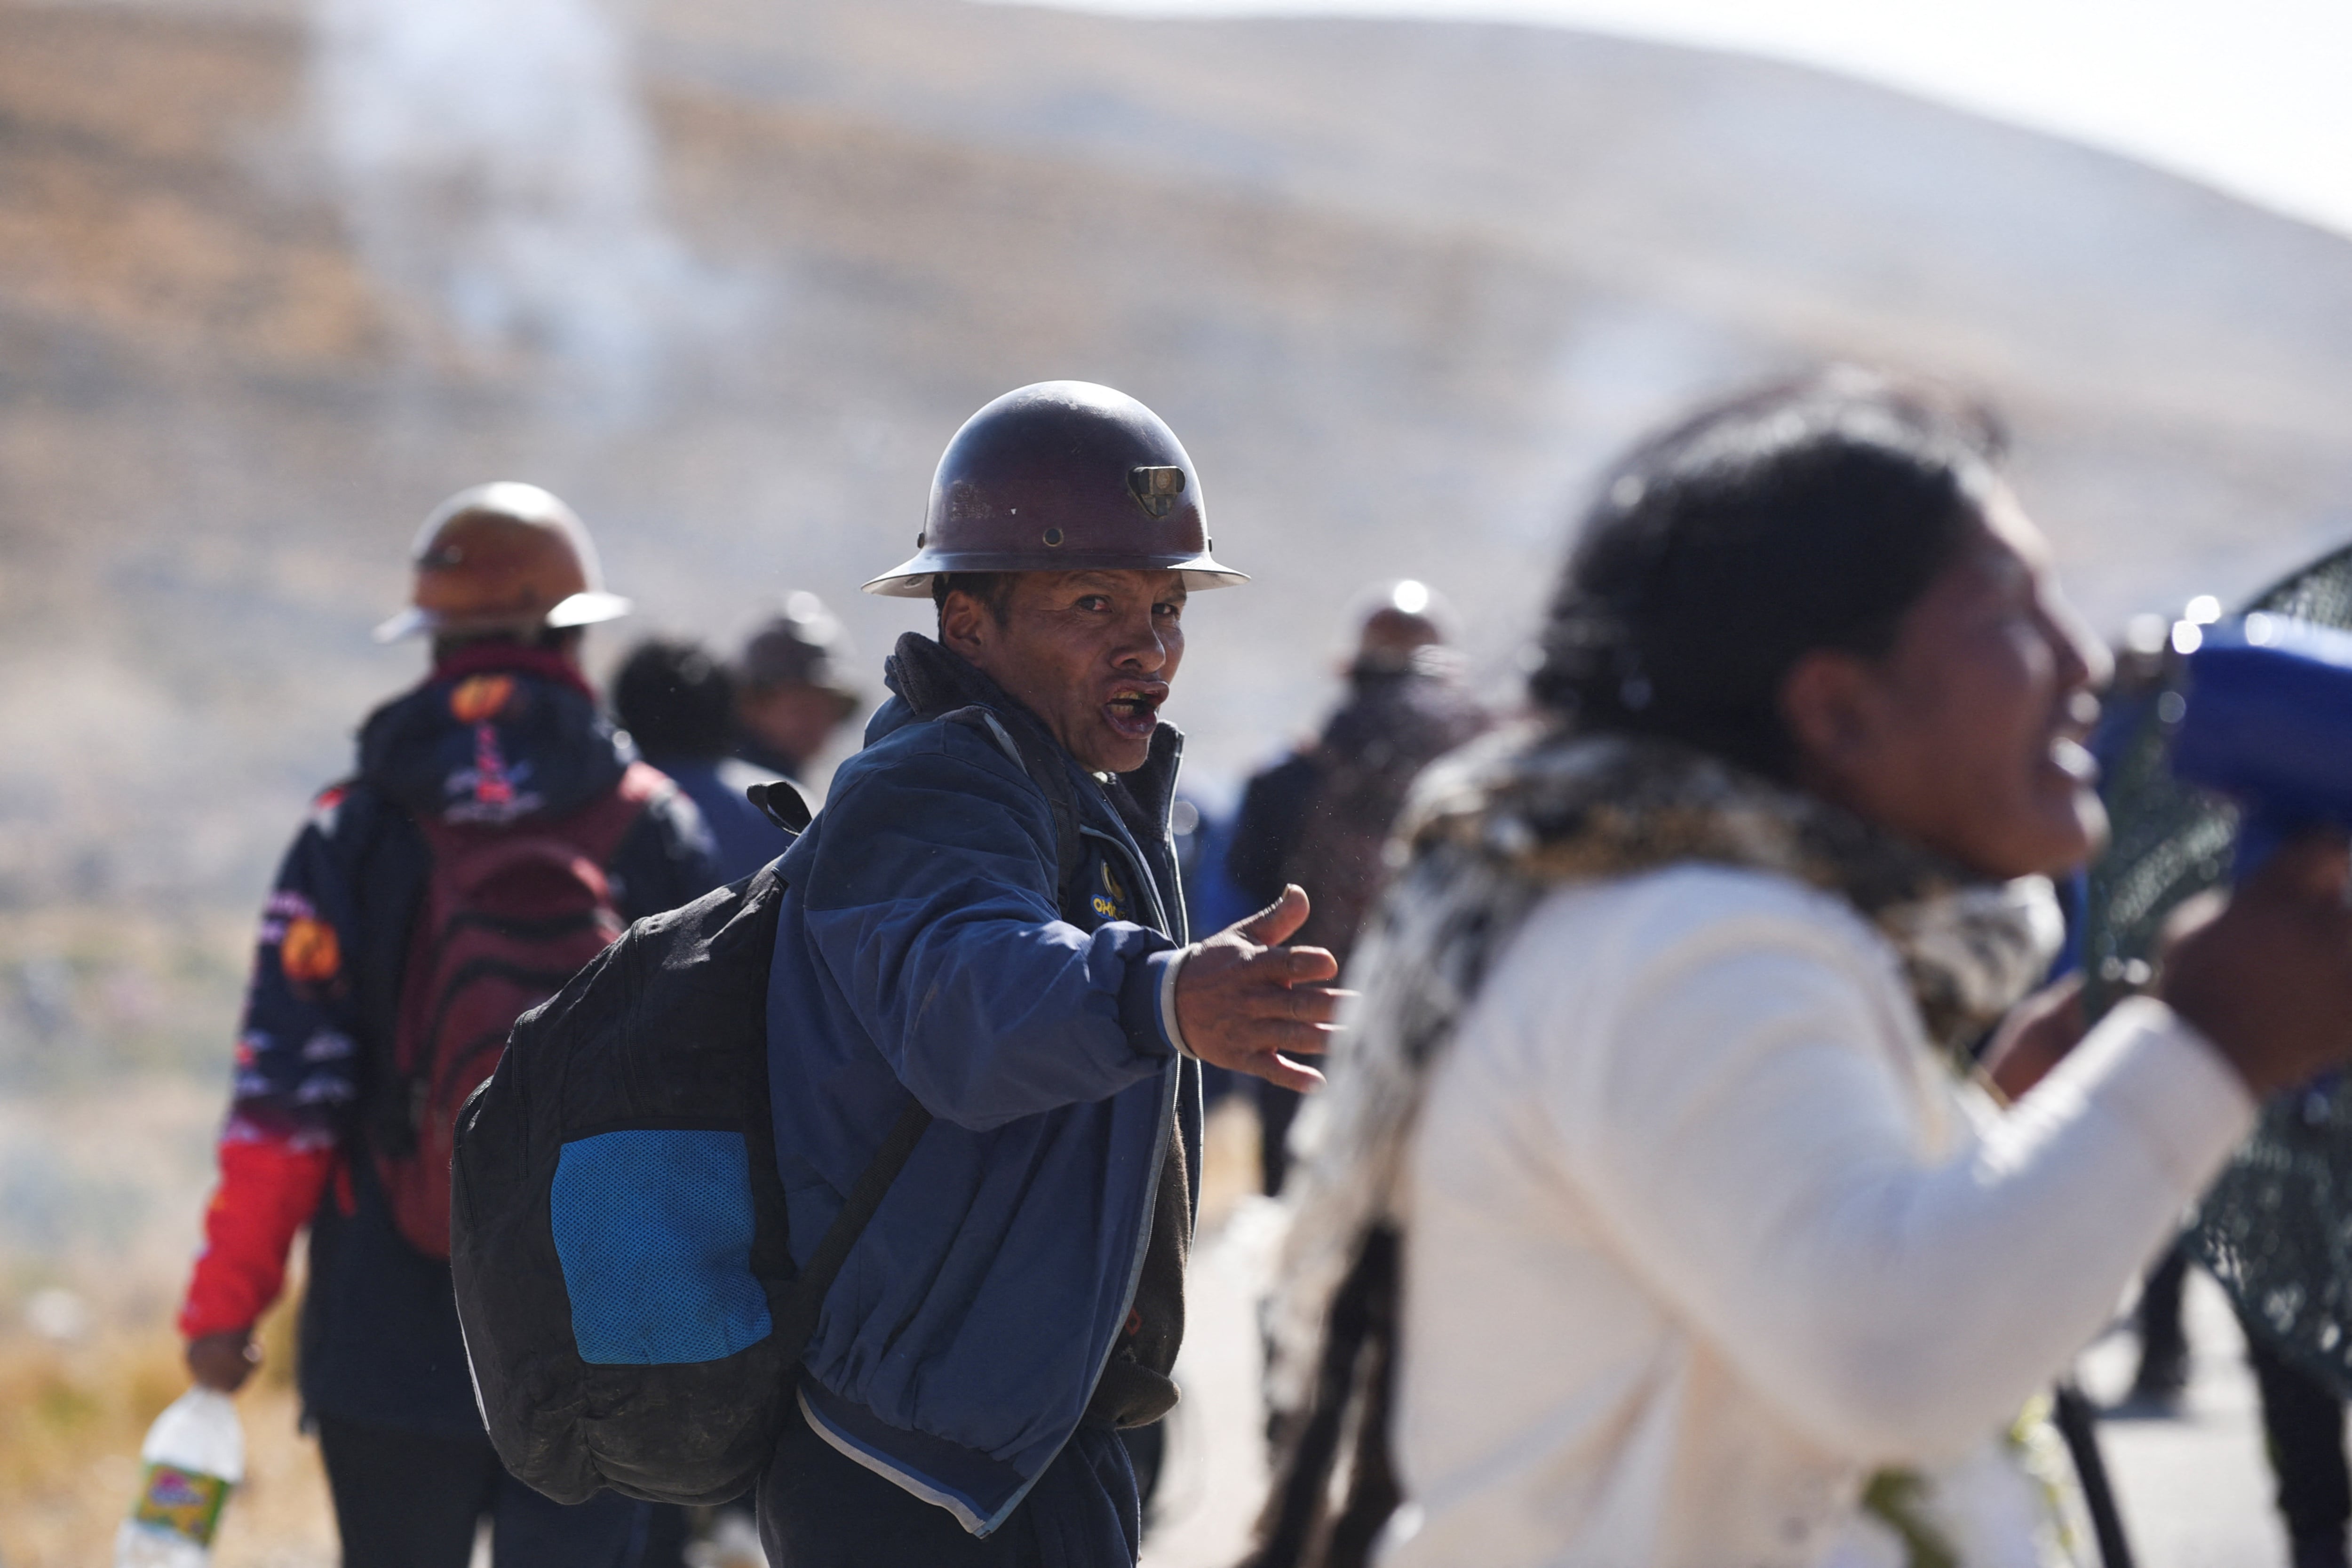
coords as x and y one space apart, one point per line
1090 653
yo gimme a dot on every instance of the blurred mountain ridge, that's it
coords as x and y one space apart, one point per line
1715 178
1401 286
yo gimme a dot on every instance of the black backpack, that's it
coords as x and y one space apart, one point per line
618 1235
619 1242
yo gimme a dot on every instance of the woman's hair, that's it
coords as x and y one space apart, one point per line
1807 514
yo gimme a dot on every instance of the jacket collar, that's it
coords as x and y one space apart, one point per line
496 733
926 680
929 680
489 657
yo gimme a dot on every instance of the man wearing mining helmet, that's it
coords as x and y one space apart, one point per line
985 920
384 981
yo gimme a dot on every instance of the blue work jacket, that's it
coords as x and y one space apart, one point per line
937 939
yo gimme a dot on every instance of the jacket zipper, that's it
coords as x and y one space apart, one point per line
1162 1134
1165 1130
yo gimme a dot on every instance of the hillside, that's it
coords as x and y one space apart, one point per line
1399 285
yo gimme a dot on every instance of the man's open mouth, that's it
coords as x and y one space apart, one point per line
1134 710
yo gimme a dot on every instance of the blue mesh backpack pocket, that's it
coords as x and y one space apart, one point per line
655 1227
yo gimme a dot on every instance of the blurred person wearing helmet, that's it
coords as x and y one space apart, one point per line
983 939
497 768
1320 817
791 691
677 703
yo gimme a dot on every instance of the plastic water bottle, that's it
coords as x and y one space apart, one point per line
195 1454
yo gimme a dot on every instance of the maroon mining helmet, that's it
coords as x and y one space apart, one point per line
1063 476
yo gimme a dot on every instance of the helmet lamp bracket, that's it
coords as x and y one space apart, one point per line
1156 489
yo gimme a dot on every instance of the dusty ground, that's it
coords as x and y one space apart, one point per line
2194 1490
74 1408
69 1452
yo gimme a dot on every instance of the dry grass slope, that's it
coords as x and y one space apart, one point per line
67 1453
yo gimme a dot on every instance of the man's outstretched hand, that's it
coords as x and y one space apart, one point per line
1247 1003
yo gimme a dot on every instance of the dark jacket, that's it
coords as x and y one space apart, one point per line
931 944
379 1341
742 837
1321 816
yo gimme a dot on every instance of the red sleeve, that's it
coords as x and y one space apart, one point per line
269 1189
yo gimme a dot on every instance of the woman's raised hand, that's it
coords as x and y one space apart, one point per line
2266 972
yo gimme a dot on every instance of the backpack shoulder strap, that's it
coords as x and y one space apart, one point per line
796 1311
935 684
782 802
1046 770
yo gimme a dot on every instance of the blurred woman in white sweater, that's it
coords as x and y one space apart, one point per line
1653 1216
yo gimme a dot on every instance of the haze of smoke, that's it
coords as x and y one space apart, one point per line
495 165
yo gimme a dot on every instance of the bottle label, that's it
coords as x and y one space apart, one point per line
187 1503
